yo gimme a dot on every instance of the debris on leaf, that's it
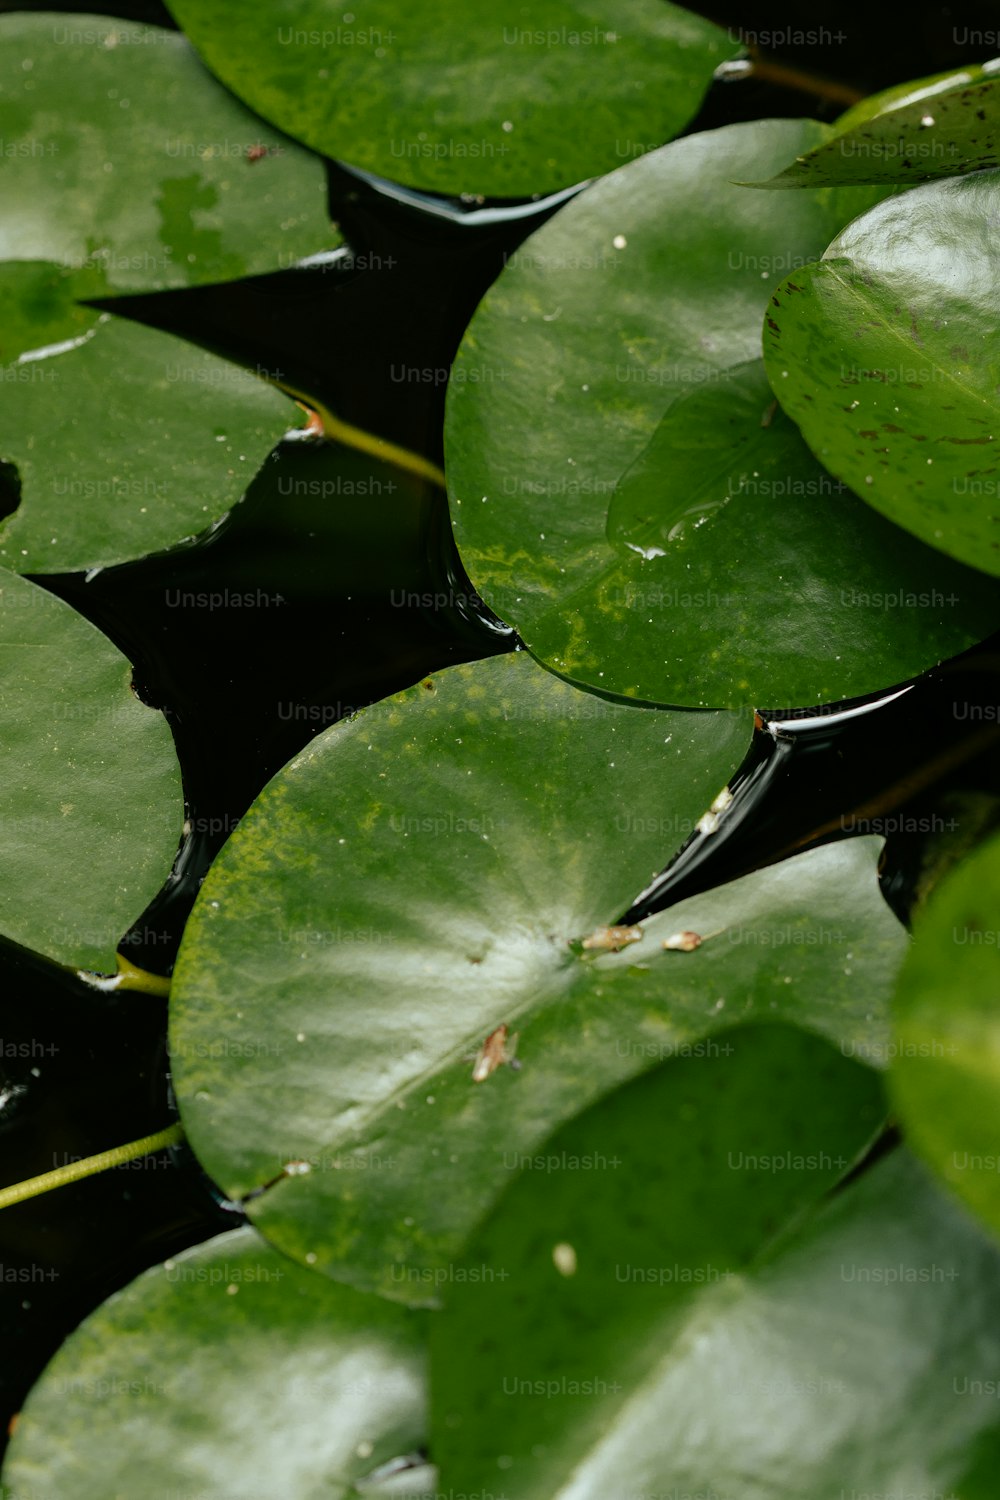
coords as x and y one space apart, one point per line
564 1259
709 821
495 1051
612 939
683 942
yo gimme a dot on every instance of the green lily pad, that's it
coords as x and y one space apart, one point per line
39 308
738 570
677 1323
419 885
90 802
121 154
126 440
887 354
914 132
455 99
946 1073
226 1371
603 320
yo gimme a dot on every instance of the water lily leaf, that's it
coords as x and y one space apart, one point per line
90 802
387 919
147 439
913 132
39 309
887 355
121 154
946 1072
737 569
670 1319
228 1370
439 96
607 316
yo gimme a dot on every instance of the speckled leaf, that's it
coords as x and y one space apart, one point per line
616 1230
126 440
913 132
120 153
605 317
90 799
440 95
227 1371
679 1324
742 571
946 1074
389 902
916 90
887 354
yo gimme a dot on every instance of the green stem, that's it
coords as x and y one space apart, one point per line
32 1187
903 790
336 430
769 70
128 977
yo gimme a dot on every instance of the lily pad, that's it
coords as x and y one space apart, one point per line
684 1325
441 96
946 1073
40 307
126 440
90 802
603 320
226 1371
121 154
737 570
914 132
429 879
887 355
